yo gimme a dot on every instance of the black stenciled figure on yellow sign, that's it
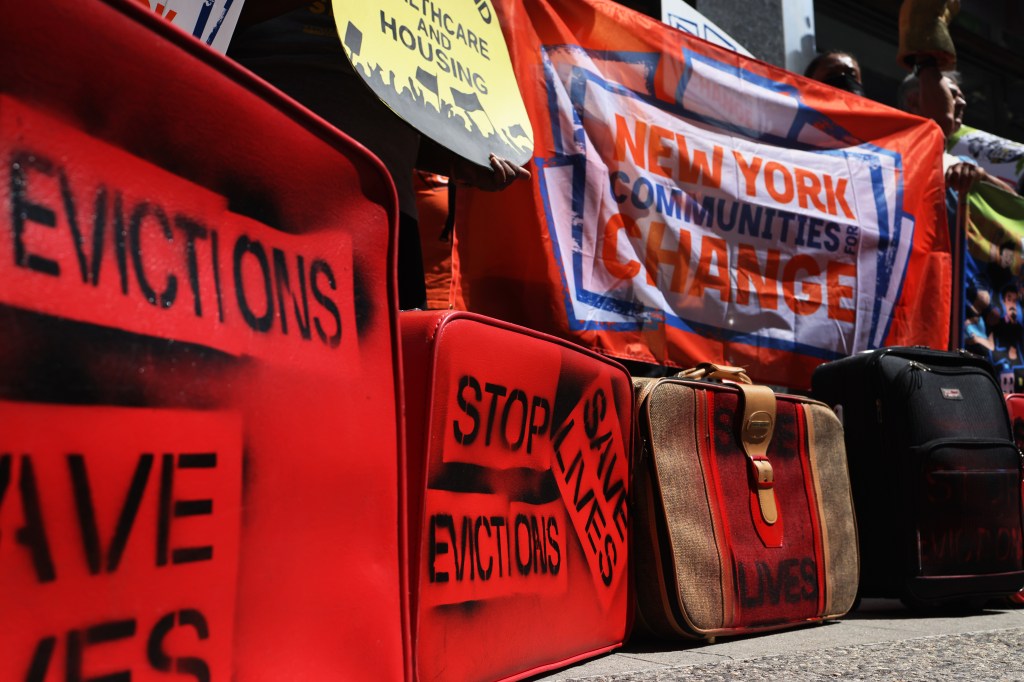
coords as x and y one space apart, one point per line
294 45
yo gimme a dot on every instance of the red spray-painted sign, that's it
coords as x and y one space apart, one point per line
131 513
156 338
99 236
523 545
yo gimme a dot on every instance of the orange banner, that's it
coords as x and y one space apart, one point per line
691 204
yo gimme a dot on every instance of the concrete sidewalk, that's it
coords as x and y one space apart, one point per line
880 641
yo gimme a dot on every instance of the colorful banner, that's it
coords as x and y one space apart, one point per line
993 323
211 21
691 204
444 68
1002 158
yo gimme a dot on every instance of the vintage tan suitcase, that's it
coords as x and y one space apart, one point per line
744 520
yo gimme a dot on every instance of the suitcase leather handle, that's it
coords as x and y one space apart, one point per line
709 370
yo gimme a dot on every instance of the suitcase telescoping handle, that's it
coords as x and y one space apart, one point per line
755 431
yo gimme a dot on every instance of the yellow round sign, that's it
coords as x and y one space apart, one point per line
443 66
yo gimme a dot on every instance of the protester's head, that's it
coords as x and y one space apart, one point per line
979 299
838 69
1006 252
950 112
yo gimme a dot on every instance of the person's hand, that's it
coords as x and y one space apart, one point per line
500 175
963 176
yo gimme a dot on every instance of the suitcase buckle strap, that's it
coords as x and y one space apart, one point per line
765 478
755 434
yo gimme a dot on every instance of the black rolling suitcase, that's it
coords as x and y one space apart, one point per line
935 474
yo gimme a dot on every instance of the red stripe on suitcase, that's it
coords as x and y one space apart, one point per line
709 460
813 507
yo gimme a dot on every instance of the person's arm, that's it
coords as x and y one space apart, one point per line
437 159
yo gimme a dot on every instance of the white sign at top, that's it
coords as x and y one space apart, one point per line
678 14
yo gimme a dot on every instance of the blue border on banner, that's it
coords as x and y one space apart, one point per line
890 233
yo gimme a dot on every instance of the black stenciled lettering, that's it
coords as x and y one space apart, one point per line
518 396
466 548
85 511
462 437
495 390
608 559
747 598
792 580
163 520
560 437
24 211
554 549
620 512
193 230
809 571
539 406
71 212
484 573
129 511
523 564
500 528
317 268
33 535
99 230
142 211
121 241
78 640
578 466
215 255
283 285
540 548
593 414
607 487
439 547
245 246
183 665
789 577
41 657
772 586
169 508
595 522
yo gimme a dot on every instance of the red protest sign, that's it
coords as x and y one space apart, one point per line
129 519
157 262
